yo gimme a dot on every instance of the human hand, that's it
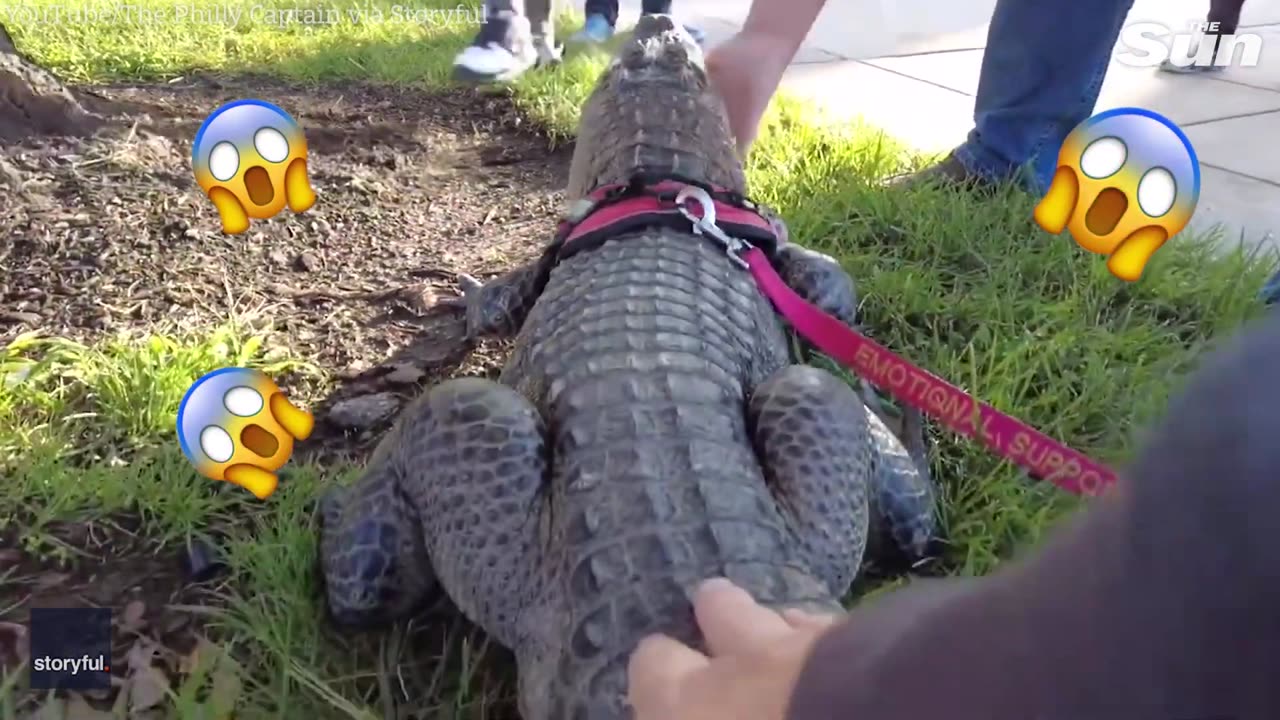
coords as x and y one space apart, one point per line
756 658
745 71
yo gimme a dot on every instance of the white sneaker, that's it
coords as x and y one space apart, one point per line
1168 67
502 51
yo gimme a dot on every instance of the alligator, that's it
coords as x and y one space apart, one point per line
651 428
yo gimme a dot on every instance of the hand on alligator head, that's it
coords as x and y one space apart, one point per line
745 70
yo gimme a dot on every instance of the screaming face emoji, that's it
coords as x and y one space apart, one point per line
250 158
236 425
1127 181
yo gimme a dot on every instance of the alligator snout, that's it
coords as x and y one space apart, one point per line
660 37
652 26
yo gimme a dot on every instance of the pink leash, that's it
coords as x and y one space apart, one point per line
1037 453
1012 439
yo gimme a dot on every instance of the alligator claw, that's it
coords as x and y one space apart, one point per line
468 283
871 398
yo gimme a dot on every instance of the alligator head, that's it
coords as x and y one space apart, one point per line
654 111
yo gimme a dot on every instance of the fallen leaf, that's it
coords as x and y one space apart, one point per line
132 619
79 709
14 648
140 655
99 693
74 533
405 375
226 687
29 318
174 622
147 689
363 411
51 580
121 705
55 708
308 261
209 661
201 657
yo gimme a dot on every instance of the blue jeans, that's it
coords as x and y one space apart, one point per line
1041 72
609 8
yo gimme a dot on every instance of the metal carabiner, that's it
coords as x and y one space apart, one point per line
706 224
703 198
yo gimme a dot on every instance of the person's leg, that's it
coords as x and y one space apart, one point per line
608 9
602 20
516 35
1226 13
542 21
1041 72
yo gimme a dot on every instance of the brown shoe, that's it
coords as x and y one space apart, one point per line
949 172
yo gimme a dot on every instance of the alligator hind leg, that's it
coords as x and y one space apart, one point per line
455 490
372 556
810 432
903 495
903 501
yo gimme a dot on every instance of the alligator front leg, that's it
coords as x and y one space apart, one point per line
810 433
456 491
499 307
903 490
819 279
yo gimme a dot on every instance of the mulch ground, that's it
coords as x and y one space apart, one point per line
110 233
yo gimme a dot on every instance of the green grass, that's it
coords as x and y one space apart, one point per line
970 290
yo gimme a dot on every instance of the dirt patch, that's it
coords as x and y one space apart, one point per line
108 563
110 233
32 100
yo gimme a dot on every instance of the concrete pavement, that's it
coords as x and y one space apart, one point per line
926 55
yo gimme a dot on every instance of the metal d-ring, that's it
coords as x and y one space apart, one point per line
706 225
703 198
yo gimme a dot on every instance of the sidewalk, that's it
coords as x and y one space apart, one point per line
926 55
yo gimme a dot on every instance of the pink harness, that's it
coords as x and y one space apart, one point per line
742 227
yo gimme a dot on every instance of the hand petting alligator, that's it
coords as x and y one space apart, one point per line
653 426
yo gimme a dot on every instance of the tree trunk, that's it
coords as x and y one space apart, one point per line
34 102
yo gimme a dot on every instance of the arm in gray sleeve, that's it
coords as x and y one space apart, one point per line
1160 601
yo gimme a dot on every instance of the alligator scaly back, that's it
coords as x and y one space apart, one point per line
650 430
